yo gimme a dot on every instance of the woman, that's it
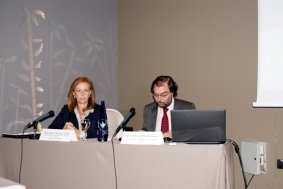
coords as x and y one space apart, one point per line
81 105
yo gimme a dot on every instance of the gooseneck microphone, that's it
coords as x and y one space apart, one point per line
40 119
123 124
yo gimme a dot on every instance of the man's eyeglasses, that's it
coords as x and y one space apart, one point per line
162 95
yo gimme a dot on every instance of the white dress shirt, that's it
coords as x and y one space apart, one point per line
160 115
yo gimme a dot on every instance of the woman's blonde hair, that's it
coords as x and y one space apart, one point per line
72 102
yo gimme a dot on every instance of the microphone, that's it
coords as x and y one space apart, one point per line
122 125
40 119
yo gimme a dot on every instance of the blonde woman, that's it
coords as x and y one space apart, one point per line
81 105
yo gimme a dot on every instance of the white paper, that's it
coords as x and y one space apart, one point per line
58 135
148 138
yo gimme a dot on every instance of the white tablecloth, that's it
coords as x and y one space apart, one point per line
8 184
90 164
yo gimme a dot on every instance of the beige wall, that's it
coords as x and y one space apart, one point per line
210 48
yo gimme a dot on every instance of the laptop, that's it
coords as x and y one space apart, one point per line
199 126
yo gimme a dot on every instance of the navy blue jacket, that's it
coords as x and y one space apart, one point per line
66 116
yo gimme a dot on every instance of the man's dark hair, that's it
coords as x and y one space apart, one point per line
173 86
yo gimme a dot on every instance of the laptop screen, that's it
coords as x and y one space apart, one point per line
199 126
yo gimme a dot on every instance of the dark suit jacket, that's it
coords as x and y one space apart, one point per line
150 113
66 116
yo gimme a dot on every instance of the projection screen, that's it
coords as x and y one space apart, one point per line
270 54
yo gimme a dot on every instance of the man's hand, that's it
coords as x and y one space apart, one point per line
167 134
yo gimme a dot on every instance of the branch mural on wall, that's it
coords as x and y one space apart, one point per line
3 63
97 51
19 92
33 46
99 56
60 33
52 53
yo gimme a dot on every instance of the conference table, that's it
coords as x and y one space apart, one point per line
90 164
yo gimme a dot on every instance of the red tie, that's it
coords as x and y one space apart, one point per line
164 121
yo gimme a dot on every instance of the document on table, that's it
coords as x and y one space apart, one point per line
61 135
148 138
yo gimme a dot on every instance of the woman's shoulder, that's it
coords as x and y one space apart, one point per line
64 109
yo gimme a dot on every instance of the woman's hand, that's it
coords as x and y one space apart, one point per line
70 126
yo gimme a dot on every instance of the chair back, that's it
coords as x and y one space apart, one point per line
114 118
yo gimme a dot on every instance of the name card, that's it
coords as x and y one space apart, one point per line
145 138
61 135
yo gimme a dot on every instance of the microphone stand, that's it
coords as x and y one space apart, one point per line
34 124
34 130
121 127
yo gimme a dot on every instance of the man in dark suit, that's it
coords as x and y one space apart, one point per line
164 90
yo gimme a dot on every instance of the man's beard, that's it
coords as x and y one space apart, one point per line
164 104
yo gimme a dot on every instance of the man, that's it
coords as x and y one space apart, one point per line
157 116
